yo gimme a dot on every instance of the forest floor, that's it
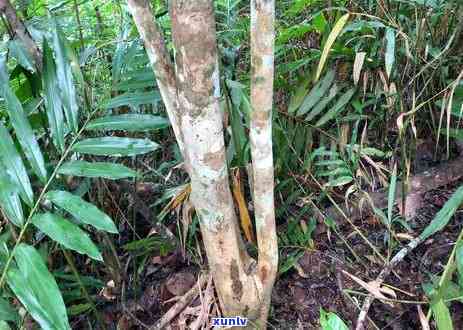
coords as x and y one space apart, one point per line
319 280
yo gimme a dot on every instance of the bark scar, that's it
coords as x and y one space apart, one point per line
237 286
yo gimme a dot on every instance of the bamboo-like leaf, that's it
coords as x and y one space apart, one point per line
316 93
358 65
97 170
389 55
82 210
299 95
65 78
339 106
18 51
9 199
14 166
37 290
443 216
53 102
323 103
459 262
22 126
66 233
442 315
114 146
329 43
341 181
391 195
133 99
134 84
129 123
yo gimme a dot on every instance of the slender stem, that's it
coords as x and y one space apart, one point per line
39 200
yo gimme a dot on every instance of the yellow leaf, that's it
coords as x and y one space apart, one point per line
242 208
329 43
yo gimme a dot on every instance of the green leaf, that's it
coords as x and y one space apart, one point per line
19 51
82 210
66 233
21 125
53 103
443 216
316 93
341 181
133 99
114 146
14 166
339 106
329 43
459 262
9 199
323 103
97 170
389 56
129 123
37 290
7 313
391 194
299 94
65 78
442 315
330 321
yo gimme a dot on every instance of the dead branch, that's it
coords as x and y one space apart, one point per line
180 304
382 276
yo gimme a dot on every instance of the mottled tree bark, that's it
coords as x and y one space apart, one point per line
160 61
262 72
20 31
243 286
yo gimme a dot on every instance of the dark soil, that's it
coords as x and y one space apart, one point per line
299 295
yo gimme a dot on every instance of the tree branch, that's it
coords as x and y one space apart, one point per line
160 61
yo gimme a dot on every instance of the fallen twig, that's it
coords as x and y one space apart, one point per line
382 276
180 304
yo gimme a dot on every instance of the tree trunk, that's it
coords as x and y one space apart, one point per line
19 29
243 285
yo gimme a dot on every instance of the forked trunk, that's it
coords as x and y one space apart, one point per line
243 285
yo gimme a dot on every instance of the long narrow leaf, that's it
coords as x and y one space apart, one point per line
37 290
65 78
114 146
14 166
339 106
316 93
82 210
133 99
97 170
329 43
53 102
444 215
442 315
22 126
66 233
389 55
9 199
129 123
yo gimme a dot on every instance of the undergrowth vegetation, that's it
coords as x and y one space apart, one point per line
94 200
